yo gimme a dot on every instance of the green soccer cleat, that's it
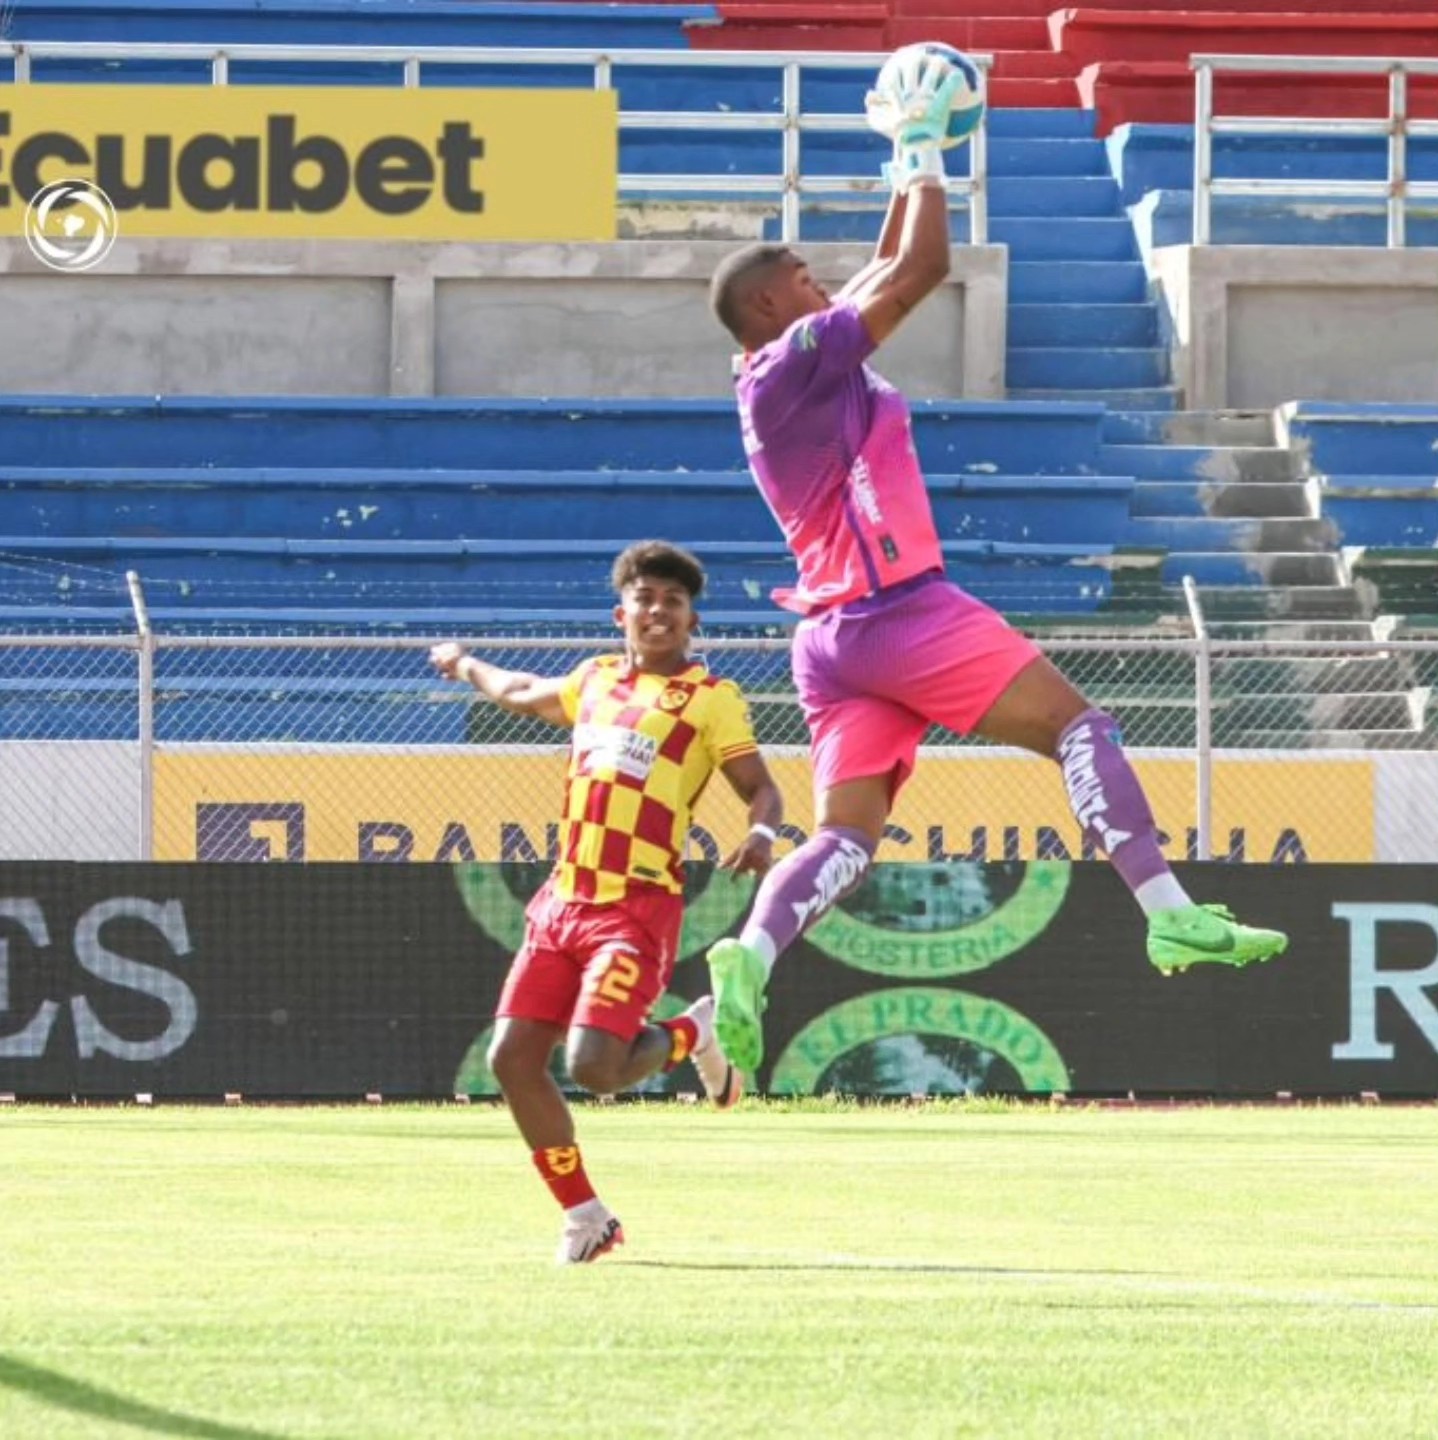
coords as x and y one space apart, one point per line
1207 934
738 975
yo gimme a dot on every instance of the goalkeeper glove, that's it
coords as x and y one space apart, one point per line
910 104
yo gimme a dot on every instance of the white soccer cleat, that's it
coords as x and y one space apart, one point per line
722 1083
590 1230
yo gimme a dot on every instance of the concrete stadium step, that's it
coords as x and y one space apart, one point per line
1155 157
1076 282
1358 439
1165 217
1399 487
1228 465
1288 570
519 505
1038 159
922 9
395 618
1060 92
979 33
1256 738
1013 196
1092 326
1035 65
1194 535
1374 518
1253 499
1279 631
1392 711
993 437
1072 238
1313 675
1224 604
522 25
1075 369
1192 427
201 572
1018 123
1157 397
1173 34
1395 580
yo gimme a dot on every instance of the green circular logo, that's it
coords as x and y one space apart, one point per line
497 906
919 1041
925 922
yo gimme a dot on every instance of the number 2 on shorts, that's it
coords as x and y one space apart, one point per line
616 982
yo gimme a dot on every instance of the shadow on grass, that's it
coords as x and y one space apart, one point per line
64 1393
888 1267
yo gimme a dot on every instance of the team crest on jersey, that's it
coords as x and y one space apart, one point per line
674 698
804 338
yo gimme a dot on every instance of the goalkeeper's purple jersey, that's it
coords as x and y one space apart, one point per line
832 451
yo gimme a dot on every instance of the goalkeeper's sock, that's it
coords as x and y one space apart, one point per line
1107 799
803 886
561 1167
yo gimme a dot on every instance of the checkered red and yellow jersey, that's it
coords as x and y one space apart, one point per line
644 747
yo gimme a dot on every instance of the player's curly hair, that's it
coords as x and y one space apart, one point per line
658 560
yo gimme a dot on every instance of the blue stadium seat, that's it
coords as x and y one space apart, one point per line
521 23
953 437
353 504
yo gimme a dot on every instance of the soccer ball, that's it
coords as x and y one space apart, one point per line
904 69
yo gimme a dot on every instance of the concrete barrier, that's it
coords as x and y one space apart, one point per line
218 317
1257 326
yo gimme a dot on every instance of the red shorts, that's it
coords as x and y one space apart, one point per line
598 965
874 674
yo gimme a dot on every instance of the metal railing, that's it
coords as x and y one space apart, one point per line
1395 190
789 119
176 746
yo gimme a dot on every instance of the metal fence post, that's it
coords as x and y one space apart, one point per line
1397 158
1202 156
1203 724
790 158
146 714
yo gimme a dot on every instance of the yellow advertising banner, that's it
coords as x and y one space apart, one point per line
270 162
471 805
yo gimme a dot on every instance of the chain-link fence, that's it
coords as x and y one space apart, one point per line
348 747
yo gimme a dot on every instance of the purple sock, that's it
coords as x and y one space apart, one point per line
803 886
1107 799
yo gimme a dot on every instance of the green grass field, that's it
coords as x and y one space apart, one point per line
806 1270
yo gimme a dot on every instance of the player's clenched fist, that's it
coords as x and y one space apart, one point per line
446 657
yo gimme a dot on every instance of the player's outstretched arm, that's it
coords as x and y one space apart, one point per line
514 690
750 780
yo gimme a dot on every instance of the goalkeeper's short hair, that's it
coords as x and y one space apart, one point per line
731 279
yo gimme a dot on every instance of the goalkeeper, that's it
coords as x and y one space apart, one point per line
887 645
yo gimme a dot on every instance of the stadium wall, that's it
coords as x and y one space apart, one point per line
314 981
631 319
1258 325
80 801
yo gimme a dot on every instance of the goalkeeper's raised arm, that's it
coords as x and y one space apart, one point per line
910 105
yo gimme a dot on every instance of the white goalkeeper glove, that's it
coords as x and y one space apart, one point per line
910 105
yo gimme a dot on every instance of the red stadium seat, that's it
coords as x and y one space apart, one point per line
1162 92
1091 36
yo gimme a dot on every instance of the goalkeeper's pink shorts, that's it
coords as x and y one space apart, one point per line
874 674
